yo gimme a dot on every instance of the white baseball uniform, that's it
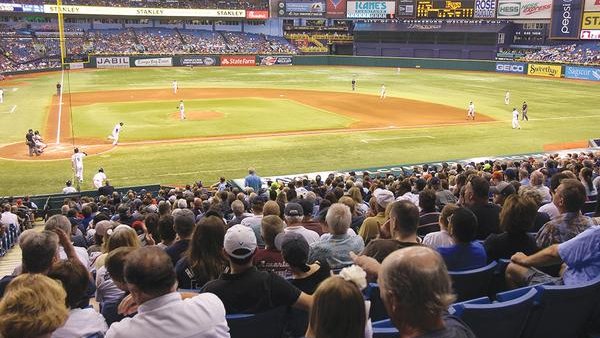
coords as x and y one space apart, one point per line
382 95
115 134
471 111
175 86
77 164
515 119
181 111
98 179
507 98
1 95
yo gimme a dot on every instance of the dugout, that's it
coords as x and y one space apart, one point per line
458 39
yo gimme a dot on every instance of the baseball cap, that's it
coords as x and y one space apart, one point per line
383 197
102 227
434 181
294 248
293 209
503 188
240 241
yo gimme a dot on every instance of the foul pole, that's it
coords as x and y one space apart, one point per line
63 53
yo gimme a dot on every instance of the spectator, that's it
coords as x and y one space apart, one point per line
466 253
516 218
245 289
501 191
34 306
166 231
441 238
183 223
152 282
269 259
537 181
402 227
7 218
239 213
357 220
61 222
487 214
569 199
361 207
541 218
443 196
253 180
370 227
203 261
335 249
585 176
550 208
254 221
429 216
308 206
293 218
115 264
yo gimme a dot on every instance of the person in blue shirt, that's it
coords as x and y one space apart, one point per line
467 253
252 180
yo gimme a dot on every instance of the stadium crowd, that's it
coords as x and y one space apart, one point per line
300 244
585 54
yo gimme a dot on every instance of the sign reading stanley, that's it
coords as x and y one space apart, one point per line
591 20
566 19
154 62
130 11
112 62
544 70
370 9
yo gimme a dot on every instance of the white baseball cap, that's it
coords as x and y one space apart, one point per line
240 237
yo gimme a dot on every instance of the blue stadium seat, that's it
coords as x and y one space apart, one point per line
474 283
384 329
562 311
497 320
377 311
269 324
482 300
498 282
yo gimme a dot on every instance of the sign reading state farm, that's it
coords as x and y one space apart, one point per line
238 60
130 11
370 9
524 9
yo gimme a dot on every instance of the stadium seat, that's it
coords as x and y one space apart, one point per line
562 311
377 311
269 324
499 319
384 329
474 283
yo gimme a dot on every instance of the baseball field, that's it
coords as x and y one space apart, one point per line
280 120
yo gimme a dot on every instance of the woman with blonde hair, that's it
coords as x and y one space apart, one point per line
33 306
361 207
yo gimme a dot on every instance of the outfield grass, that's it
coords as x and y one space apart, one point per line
560 111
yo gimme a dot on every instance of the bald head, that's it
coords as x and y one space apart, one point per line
416 287
150 271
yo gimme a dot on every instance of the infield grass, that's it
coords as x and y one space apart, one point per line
560 111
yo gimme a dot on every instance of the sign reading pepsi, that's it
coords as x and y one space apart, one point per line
582 73
511 67
566 19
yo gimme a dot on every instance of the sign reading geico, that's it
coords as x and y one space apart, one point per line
591 20
112 62
510 67
154 62
130 11
544 70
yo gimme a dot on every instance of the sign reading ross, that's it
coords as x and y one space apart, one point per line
112 62
238 60
566 19
445 9
590 34
130 11
406 9
485 9
524 9
544 70
592 5
583 73
591 20
154 62
270 60
198 61
510 67
370 9
336 8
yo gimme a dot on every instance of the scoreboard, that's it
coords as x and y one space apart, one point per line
445 8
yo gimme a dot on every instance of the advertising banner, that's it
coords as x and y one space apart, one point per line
76 65
445 9
592 5
583 73
511 67
200 61
485 9
4 7
154 62
254 14
302 9
370 9
130 11
112 62
591 20
271 60
238 60
524 9
406 9
566 19
544 70
336 9
590 34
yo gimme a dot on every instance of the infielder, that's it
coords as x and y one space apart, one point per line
353 84
115 133
515 119
77 164
507 97
175 86
1 95
181 110
471 111
382 95
99 178
524 112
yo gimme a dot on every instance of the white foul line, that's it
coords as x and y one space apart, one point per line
12 110
62 77
395 138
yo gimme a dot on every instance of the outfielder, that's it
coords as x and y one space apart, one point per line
382 95
175 86
77 164
353 84
524 112
515 119
471 111
1 95
507 97
115 133
181 110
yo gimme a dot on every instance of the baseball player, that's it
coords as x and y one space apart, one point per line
353 84
507 97
471 111
77 164
1 95
382 95
115 133
175 86
99 178
524 112
515 119
181 110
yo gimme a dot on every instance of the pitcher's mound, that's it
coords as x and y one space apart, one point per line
198 115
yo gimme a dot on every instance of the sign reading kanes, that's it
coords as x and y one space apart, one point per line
370 9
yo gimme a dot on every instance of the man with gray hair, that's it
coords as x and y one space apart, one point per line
335 249
62 222
416 291
294 214
239 213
